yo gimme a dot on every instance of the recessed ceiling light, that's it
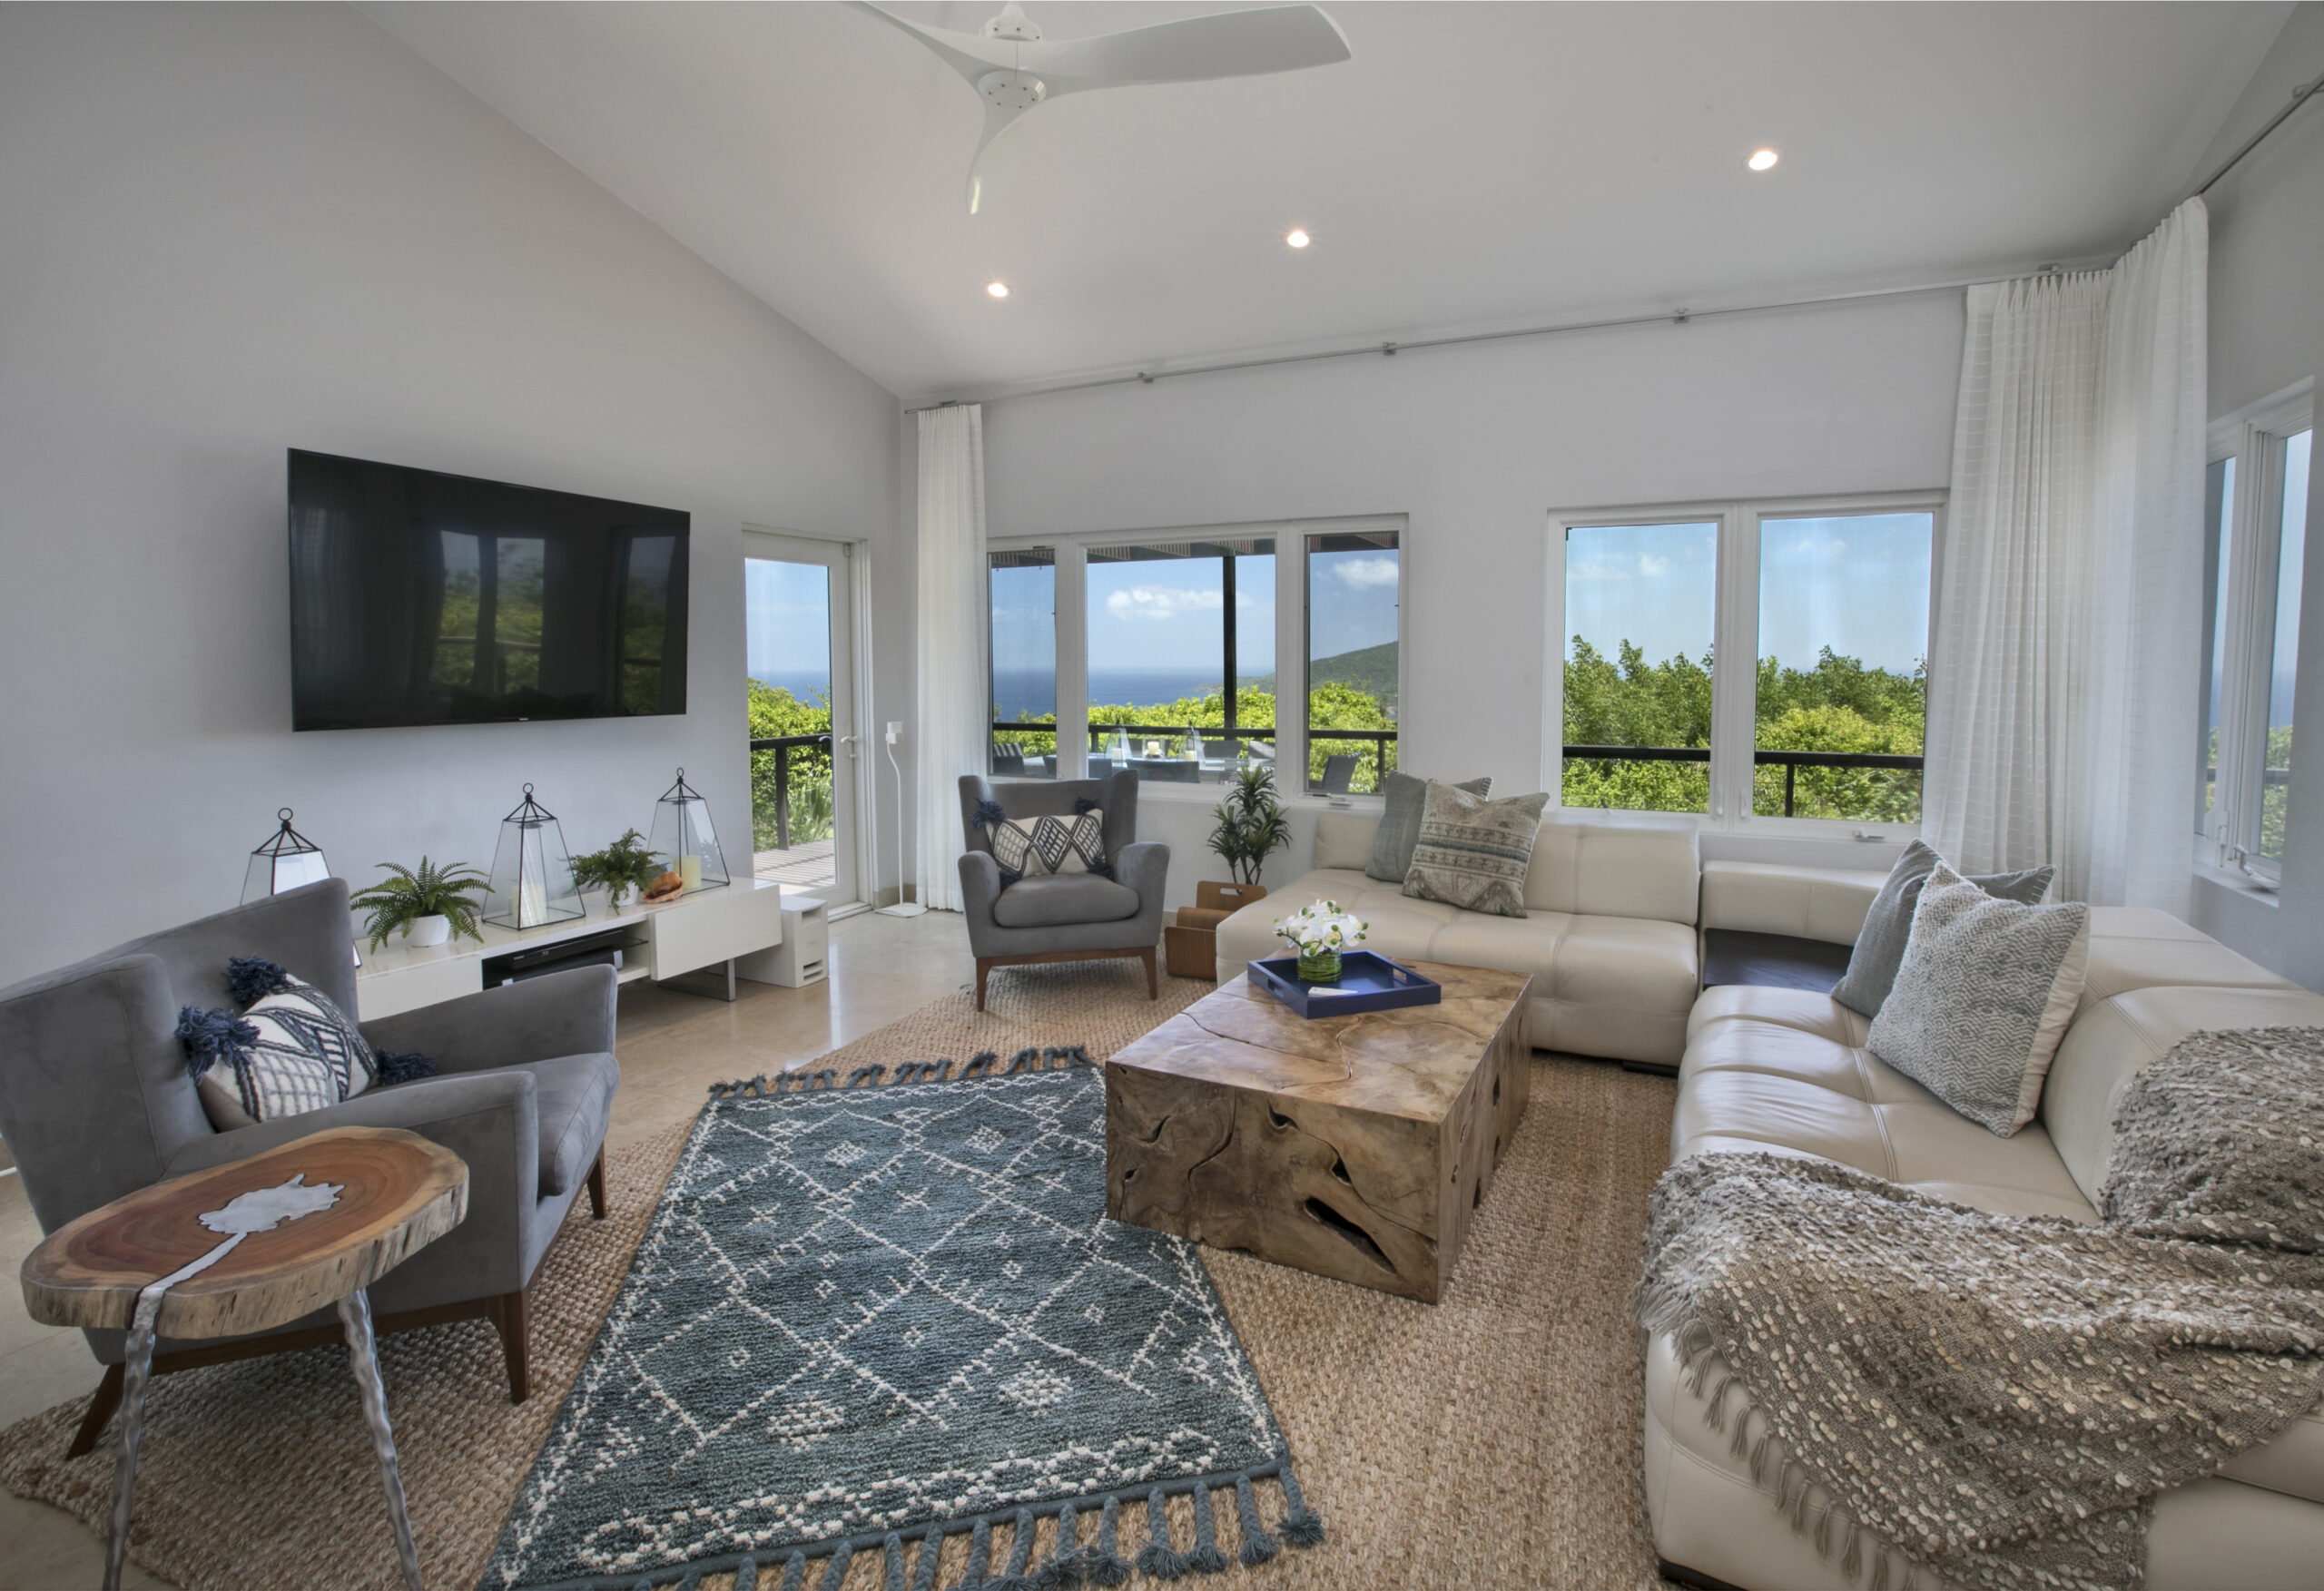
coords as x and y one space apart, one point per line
1297 238
999 289
1763 159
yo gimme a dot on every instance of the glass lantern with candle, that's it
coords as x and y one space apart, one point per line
686 841
532 872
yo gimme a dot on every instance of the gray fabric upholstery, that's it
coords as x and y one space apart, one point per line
95 1103
1888 924
1057 898
1402 797
1141 867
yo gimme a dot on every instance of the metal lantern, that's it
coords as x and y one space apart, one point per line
285 861
532 872
684 839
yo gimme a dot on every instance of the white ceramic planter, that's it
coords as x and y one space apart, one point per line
427 931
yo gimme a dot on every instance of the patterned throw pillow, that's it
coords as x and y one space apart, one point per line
1402 797
1473 853
1880 943
1029 847
291 1051
1985 994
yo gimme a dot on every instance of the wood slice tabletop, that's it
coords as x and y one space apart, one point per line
396 1192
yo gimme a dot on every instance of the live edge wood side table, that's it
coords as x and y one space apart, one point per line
248 1247
1355 1146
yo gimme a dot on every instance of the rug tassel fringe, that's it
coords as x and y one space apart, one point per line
1880 1570
1206 1558
1106 1564
836 1570
893 1551
1301 1526
795 1573
980 1558
1158 1558
1717 1413
1020 1553
931 1549
1735 1448
1852 1553
1824 1534
863 1077
1062 1568
1258 1544
746 1575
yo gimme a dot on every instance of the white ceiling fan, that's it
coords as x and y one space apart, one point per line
1013 68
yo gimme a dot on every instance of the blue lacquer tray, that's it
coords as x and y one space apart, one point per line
1368 981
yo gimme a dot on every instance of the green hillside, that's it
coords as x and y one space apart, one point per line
1371 670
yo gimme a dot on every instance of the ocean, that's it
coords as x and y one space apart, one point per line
1016 691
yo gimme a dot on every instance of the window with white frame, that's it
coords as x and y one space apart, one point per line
1161 652
2256 545
1829 602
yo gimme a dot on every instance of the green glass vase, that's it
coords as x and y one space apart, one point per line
1321 964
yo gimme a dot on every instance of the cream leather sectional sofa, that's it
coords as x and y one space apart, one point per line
1609 930
1782 1070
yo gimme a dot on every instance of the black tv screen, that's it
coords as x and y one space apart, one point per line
420 598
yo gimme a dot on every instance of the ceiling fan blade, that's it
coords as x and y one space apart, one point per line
969 54
998 120
1229 43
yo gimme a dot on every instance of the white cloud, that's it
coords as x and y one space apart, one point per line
1649 566
1362 572
1162 601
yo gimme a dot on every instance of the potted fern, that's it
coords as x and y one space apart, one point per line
427 905
1252 825
622 869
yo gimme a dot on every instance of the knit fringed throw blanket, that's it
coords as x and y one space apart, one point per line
2000 1398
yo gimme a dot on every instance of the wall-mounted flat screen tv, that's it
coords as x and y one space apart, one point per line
421 598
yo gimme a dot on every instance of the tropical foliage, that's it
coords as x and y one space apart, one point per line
776 712
408 894
1330 706
1251 824
1837 705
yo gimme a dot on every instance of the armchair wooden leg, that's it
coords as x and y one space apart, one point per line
101 1403
515 1343
1153 988
597 1184
984 971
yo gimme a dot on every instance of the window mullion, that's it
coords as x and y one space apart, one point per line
1290 661
1072 661
2243 717
1735 629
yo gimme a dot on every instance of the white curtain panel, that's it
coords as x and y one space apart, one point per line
951 602
2062 684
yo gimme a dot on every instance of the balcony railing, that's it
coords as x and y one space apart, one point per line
1791 762
785 745
1017 734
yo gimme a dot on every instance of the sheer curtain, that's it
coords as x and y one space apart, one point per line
2062 684
951 611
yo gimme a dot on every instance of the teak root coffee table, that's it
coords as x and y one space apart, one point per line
245 1248
1352 1146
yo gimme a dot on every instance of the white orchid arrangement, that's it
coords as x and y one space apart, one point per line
1322 926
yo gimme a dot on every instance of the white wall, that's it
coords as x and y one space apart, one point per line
2267 332
1477 446
226 232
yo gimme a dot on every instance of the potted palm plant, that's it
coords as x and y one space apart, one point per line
623 870
1252 825
426 904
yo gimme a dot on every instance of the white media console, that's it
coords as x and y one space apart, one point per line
738 926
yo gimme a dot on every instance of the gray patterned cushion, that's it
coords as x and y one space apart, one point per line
1985 994
1033 848
1392 847
1473 853
1880 946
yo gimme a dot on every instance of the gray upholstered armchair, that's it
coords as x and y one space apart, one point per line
1063 917
95 1103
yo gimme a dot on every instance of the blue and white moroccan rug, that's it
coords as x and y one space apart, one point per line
868 1317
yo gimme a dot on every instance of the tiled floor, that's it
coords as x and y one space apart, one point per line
673 1048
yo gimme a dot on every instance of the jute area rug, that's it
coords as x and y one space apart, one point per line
1491 1440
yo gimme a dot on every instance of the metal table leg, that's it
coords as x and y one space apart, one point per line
355 1313
137 1370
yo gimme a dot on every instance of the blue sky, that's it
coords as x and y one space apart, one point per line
1351 600
2291 561
1857 584
788 626
1169 614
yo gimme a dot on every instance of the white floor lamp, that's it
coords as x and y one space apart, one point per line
902 907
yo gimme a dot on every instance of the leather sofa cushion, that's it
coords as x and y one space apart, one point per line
2135 947
1343 840
575 1096
2108 1045
1826 904
1057 899
1623 864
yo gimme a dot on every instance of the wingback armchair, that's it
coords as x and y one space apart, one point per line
95 1101
1062 917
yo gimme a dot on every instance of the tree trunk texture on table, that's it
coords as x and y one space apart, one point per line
1356 1147
398 1194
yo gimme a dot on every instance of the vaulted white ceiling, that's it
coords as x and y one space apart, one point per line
1472 165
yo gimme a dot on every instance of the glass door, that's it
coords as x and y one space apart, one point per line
800 604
